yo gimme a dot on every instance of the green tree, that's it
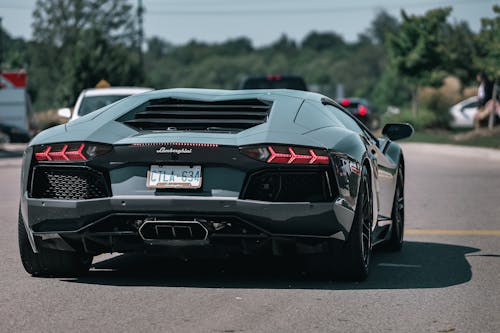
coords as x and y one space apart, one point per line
14 55
489 60
459 48
382 25
488 57
321 41
79 42
415 50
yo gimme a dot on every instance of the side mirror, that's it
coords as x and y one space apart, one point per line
64 113
397 131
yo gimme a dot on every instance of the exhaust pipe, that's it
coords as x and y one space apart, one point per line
172 230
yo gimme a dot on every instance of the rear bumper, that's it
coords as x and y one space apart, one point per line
48 219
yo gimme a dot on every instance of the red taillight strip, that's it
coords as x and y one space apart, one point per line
294 158
277 157
59 155
76 155
44 155
298 159
318 159
182 144
62 155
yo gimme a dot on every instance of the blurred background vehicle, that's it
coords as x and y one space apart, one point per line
15 107
13 134
275 81
462 113
363 110
95 98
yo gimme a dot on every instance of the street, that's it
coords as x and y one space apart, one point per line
446 279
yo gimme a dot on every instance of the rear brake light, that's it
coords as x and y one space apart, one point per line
287 154
275 77
362 110
70 151
345 102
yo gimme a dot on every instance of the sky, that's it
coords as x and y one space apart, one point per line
263 21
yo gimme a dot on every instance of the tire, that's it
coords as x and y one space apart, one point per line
357 250
50 262
350 261
395 242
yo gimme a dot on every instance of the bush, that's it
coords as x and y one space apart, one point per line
439 100
424 119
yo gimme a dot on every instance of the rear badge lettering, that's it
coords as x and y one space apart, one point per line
164 150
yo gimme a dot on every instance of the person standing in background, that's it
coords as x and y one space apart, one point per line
484 94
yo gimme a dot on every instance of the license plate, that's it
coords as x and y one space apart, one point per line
174 176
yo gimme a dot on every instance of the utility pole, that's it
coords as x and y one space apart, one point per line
491 119
140 12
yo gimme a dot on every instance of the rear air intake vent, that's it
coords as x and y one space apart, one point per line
189 115
68 183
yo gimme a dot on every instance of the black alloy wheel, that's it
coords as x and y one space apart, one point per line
358 247
395 242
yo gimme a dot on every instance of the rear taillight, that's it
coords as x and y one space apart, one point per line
287 154
73 151
362 110
345 102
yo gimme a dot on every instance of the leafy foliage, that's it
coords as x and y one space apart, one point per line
76 43
415 50
489 38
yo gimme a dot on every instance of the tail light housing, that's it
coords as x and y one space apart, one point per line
70 152
280 154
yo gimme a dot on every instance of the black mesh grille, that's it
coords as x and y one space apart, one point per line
286 186
175 114
68 183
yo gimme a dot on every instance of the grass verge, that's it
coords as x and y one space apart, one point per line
482 138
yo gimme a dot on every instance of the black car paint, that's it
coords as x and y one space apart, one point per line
277 221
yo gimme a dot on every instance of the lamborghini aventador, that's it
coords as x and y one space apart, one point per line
191 172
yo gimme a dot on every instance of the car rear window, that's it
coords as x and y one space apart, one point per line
92 103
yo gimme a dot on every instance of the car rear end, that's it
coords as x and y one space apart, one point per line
187 181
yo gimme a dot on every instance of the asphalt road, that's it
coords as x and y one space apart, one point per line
446 279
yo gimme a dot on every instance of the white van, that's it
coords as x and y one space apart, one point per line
15 105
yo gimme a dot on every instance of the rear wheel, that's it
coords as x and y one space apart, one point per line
351 261
50 262
358 248
395 242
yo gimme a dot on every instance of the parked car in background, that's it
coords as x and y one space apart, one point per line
15 108
13 134
462 113
276 81
362 110
92 99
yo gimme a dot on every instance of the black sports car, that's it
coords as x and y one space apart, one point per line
192 171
